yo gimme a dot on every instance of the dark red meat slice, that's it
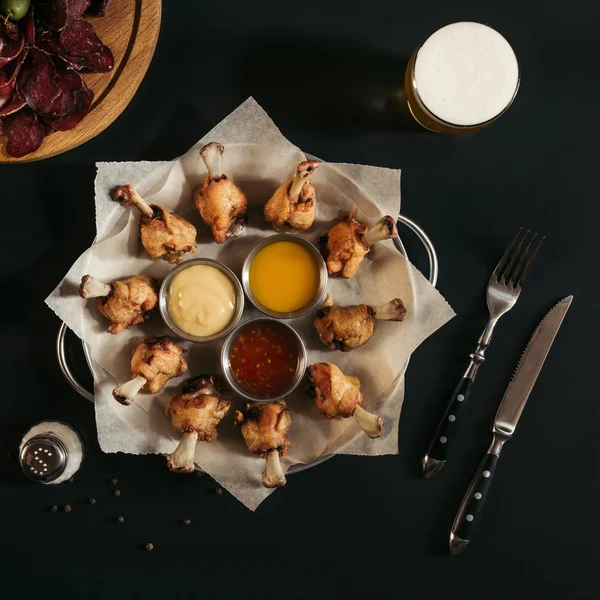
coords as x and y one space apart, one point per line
68 82
11 42
73 104
8 78
27 26
80 38
57 13
97 8
24 133
54 13
84 49
96 62
12 106
77 8
36 82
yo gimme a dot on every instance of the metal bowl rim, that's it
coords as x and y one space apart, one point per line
225 368
163 293
323 275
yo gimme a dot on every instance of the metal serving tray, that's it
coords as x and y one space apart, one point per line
85 393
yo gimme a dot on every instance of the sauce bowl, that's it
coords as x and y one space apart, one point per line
316 256
300 367
163 297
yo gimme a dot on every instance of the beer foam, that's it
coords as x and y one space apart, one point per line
466 73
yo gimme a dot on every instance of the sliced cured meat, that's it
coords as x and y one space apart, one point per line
54 13
11 42
83 49
24 132
36 82
57 13
73 104
80 38
97 8
96 62
8 78
77 8
27 26
12 105
68 82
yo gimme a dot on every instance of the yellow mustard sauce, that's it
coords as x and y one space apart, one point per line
201 300
284 277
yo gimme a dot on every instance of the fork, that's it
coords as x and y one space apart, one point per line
503 290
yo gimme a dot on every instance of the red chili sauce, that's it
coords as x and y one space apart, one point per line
263 358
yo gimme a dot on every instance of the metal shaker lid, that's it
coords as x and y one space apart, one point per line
43 458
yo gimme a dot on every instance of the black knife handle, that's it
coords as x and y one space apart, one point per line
448 428
471 508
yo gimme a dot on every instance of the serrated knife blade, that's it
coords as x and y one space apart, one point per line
528 369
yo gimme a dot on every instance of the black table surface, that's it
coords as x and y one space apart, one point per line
325 74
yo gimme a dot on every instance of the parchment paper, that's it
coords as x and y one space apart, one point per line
258 158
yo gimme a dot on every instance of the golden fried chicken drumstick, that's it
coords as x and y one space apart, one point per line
221 203
349 241
163 234
124 303
264 426
294 201
195 412
338 395
349 327
153 363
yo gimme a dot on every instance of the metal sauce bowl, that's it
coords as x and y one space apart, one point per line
314 252
164 292
300 369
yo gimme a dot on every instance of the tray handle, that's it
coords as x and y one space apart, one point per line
64 365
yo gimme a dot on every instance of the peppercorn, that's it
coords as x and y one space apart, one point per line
120 519
68 508
186 522
117 493
114 481
218 491
149 547
92 500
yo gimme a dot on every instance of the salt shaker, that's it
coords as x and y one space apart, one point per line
51 452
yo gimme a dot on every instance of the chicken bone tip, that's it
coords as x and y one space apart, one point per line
212 155
273 476
129 196
181 460
371 424
126 392
93 288
394 310
384 229
304 171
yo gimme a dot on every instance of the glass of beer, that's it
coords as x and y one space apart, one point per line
461 79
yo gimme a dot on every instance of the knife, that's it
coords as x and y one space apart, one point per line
505 422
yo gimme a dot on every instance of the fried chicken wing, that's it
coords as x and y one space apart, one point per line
154 361
163 234
264 426
349 241
124 303
339 395
294 201
195 412
221 203
349 327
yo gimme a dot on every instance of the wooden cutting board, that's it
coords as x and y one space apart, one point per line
130 29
